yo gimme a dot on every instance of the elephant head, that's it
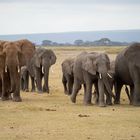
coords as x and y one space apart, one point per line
44 58
67 66
14 59
99 64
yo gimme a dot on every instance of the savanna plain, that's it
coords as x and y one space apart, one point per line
53 116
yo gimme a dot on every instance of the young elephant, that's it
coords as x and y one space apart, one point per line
67 79
23 78
111 79
91 68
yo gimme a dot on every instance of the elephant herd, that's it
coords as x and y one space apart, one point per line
20 60
88 69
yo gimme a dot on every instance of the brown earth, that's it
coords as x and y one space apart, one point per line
54 117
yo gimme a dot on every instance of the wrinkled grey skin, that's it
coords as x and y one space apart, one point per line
14 59
40 64
28 52
112 82
91 68
127 71
23 78
67 78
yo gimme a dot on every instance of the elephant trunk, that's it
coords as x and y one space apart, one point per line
107 85
14 76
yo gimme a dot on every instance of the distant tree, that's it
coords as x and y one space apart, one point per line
78 42
46 42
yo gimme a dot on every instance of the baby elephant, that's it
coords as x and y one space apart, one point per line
68 78
23 79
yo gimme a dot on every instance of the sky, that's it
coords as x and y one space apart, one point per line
52 16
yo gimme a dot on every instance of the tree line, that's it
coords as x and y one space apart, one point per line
80 42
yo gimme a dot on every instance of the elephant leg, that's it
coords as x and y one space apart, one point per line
136 96
70 86
118 87
38 79
76 88
3 96
96 93
108 98
101 93
26 82
33 84
88 95
16 93
46 78
84 93
21 83
131 94
64 81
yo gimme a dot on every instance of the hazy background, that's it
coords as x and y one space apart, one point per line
49 16
69 20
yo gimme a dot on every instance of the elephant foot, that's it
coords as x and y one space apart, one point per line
33 90
40 91
102 105
116 102
73 99
87 103
17 99
66 92
26 90
4 98
46 89
136 103
108 103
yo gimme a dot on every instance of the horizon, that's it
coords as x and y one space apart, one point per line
69 32
60 16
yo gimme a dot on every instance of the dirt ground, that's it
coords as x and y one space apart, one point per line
54 117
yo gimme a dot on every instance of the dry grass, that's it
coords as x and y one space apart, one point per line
53 116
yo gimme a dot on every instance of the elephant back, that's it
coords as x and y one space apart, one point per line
28 49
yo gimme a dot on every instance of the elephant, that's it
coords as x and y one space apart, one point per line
67 78
91 68
127 69
28 50
39 67
13 59
23 78
111 80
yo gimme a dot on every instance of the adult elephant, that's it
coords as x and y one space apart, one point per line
40 64
127 71
67 78
28 50
13 60
91 68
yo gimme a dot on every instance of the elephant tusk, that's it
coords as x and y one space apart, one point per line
42 70
109 75
6 69
18 69
100 75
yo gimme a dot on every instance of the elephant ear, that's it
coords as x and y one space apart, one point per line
22 59
89 65
132 54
